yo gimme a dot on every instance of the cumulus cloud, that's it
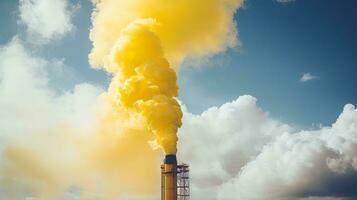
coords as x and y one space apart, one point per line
27 102
237 151
46 19
307 77
29 108
220 141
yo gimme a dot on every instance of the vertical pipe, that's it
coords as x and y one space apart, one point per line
169 178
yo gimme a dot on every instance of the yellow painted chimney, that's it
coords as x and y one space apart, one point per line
169 178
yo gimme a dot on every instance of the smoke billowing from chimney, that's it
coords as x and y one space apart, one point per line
137 40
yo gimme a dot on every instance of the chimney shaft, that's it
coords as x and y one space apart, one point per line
169 178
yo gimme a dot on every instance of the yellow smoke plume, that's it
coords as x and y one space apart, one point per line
144 82
186 27
137 40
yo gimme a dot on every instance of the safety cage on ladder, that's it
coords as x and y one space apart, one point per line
183 182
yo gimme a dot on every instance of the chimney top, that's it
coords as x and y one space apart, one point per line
170 159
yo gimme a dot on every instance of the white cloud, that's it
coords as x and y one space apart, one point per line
46 19
30 108
237 152
307 77
220 141
27 102
285 1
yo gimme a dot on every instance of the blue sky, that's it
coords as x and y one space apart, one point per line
279 42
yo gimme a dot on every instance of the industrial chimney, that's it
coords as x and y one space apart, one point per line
174 179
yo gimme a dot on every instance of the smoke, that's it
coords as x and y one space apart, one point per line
187 28
137 41
144 82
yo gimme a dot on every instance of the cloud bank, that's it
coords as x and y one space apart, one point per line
237 151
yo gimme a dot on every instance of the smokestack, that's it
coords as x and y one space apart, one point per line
175 182
169 178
